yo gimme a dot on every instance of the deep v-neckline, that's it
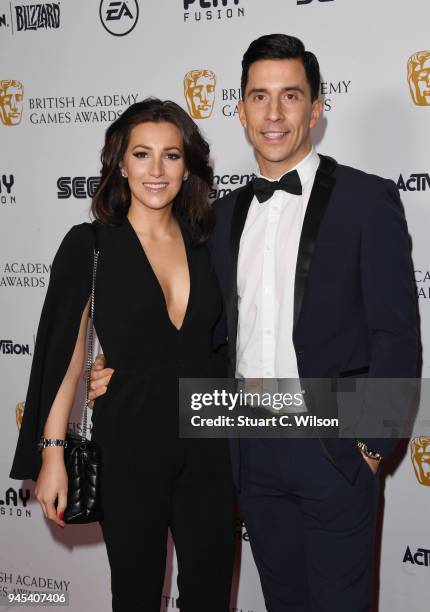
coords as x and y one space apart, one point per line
156 279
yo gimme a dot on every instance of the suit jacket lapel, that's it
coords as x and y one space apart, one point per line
320 195
240 213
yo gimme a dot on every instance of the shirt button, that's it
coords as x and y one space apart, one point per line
268 332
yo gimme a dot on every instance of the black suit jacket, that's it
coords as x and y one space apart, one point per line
355 308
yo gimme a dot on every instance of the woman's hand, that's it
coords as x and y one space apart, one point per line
372 463
99 379
52 484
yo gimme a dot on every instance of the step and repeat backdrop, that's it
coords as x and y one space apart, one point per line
69 68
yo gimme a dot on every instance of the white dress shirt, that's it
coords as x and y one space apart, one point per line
265 280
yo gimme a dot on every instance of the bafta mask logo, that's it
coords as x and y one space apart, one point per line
420 456
419 77
199 90
19 413
11 101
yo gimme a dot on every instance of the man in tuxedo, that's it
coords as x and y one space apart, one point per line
313 259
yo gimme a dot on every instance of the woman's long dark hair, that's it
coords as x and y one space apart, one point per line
112 200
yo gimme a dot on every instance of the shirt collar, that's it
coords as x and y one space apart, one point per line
306 168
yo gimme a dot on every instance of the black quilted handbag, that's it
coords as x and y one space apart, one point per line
82 460
82 456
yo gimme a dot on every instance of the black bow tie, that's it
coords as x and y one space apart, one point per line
264 189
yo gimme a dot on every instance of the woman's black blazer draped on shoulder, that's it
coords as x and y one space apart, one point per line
68 291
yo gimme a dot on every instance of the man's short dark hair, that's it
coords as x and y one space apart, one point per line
281 46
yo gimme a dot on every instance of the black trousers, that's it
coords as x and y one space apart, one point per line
311 531
189 490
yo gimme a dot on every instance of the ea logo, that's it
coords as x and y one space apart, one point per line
119 18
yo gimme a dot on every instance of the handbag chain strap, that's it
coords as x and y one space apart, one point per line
90 343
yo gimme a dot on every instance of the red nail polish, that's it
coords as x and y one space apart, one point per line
61 515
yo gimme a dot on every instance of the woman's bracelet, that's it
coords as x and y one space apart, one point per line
45 442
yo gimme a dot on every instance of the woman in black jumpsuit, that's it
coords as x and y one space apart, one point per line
151 479
158 479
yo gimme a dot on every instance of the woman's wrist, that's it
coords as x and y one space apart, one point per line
52 453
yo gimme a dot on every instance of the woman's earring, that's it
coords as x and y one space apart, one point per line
123 173
185 178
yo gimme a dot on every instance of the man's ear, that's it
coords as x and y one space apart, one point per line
242 115
317 107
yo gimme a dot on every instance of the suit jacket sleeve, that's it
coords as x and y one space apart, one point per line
68 291
391 305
